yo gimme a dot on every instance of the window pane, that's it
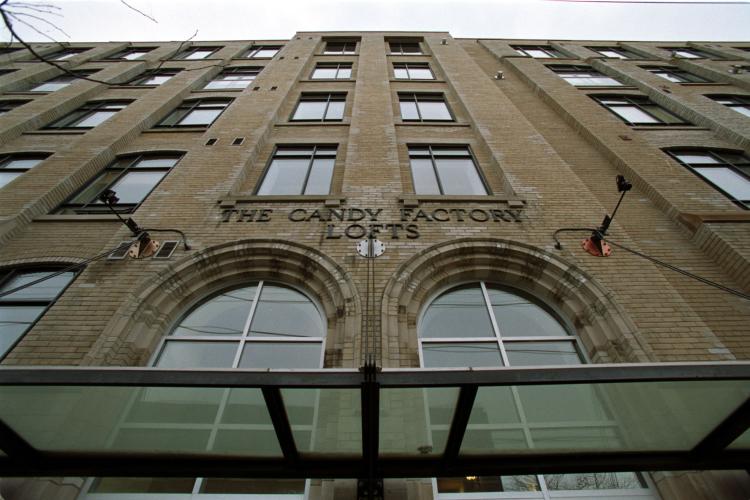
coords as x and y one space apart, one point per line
696 158
593 81
409 110
50 86
156 163
319 181
283 312
184 354
310 110
142 485
728 180
268 52
662 114
94 119
612 54
593 481
518 317
344 73
199 54
134 186
469 485
285 176
459 177
745 110
335 110
155 80
22 163
294 355
89 194
541 353
672 77
457 313
14 320
423 174
432 110
455 354
225 314
420 74
400 73
6 177
253 486
46 290
633 114
203 117
324 73
537 53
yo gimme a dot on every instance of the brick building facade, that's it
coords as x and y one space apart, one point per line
463 156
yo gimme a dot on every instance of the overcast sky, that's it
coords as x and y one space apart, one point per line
105 20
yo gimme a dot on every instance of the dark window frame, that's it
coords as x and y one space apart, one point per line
255 49
738 101
65 54
625 54
415 65
431 156
676 73
563 69
347 47
311 157
235 70
418 97
190 105
551 52
120 55
326 97
67 207
9 157
400 45
642 103
331 65
8 105
721 163
90 108
184 55
8 274
151 74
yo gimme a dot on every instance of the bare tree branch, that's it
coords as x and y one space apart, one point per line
17 17
126 4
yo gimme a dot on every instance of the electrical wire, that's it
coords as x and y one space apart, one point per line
656 261
71 267
184 238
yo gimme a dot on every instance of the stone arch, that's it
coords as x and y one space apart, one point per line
150 310
606 331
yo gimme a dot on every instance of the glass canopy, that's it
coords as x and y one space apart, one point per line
397 423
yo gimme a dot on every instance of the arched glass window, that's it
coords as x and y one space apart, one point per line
480 324
484 325
257 325
261 325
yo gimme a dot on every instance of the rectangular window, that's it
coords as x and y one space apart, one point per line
405 48
154 78
89 115
132 178
59 82
62 55
615 52
7 106
688 53
131 54
11 166
538 51
233 78
424 107
320 107
332 71
340 48
738 103
197 53
676 75
727 171
584 76
445 170
639 110
262 51
298 170
412 71
195 113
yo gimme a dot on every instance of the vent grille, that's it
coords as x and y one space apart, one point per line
166 250
121 252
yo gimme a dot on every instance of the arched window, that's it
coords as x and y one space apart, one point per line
260 325
485 325
256 325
